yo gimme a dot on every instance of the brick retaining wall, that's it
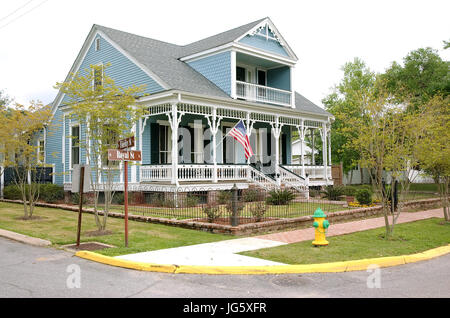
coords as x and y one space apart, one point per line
250 228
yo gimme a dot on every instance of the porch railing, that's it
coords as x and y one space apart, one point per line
264 94
291 174
195 172
156 173
232 172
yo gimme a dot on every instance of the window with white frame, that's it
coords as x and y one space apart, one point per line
97 44
41 150
165 144
75 146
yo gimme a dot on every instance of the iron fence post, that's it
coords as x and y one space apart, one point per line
234 219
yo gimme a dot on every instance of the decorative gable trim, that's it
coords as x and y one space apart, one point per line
267 23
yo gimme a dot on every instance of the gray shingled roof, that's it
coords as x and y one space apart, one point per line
303 104
162 59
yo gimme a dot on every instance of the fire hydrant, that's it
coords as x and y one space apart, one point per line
321 225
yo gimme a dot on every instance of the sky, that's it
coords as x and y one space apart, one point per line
40 39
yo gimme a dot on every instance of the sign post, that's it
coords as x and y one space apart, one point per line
121 154
80 184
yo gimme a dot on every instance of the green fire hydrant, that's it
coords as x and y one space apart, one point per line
321 225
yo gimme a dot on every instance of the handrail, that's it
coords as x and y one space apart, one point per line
269 181
292 172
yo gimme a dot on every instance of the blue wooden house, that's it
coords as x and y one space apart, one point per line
194 95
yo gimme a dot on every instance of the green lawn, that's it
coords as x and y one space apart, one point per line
410 238
59 227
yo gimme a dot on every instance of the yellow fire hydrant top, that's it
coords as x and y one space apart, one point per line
321 225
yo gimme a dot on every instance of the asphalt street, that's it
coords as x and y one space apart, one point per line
29 271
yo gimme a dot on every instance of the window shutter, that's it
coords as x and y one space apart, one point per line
283 149
154 143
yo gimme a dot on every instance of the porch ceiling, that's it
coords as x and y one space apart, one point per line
256 61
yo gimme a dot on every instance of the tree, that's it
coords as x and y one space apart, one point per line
433 148
20 128
423 75
385 139
4 100
345 103
105 113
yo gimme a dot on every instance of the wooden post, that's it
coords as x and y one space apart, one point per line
80 204
126 201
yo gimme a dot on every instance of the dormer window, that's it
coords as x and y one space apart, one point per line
97 44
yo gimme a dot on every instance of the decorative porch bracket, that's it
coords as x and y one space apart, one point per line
276 128
249 127
174 118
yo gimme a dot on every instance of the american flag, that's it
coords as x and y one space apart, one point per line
240 134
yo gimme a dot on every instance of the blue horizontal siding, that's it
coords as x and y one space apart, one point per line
122 70
53 146
216 68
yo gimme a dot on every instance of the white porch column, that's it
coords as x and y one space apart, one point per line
301 134
174 121
313 157
324 150
233 73
214 123
276 128
329 144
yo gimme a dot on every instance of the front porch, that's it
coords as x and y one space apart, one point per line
185 144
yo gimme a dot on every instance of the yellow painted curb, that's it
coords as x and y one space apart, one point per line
335 267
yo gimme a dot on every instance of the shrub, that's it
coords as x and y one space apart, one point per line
191 200
51 193
224 197
349 191
48 192
333 192
314 193
118 198
239 207
252 195
364 196
258 210
75 198
212 212
12 192
280 197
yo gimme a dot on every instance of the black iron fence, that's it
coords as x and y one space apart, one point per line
237 206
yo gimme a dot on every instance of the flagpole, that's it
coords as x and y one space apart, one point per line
248 160
226 135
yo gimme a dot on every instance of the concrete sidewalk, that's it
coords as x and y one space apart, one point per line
224 253
24 238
